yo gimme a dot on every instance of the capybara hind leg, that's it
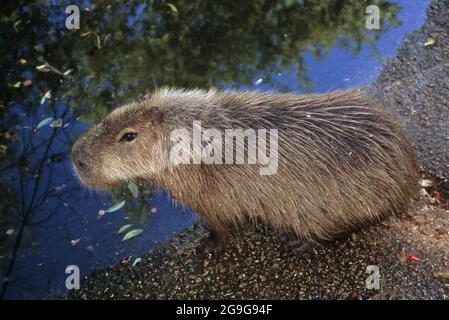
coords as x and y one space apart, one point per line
214 242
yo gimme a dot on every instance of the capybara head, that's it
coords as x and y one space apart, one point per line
122 147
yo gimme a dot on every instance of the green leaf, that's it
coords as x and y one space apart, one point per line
136 261
46 96
124 228
133 188
429 42
57 123
38 48
116 207
68 72
44 122
16 24
3 148
132 234
172 8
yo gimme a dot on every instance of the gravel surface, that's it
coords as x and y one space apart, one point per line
415 86
411 251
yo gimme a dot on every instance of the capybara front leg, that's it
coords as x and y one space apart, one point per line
214 242
296 246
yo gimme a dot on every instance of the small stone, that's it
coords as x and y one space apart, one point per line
426 183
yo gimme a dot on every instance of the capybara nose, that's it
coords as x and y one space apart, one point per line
81 164
80 158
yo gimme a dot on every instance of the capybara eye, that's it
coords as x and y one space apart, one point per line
128 136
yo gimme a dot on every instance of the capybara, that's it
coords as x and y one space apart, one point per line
342 161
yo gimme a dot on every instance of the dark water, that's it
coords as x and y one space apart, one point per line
48 221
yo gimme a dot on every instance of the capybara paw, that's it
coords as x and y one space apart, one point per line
296 246
212 244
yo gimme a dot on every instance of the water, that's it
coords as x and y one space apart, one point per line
48 221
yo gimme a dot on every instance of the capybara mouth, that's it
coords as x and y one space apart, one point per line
87 168
96 183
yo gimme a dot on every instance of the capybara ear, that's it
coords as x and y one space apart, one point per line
155 115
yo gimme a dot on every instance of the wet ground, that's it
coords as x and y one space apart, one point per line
411 251
415 85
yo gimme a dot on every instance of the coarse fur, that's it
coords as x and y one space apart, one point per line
343 161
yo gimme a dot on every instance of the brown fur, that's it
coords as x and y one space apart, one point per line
343 161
